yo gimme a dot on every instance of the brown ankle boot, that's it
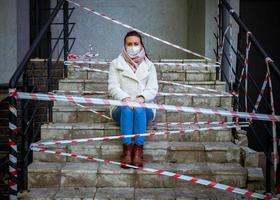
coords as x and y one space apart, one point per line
138 155
127 155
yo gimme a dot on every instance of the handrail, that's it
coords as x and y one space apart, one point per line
13 129
253 38
22 65
270 159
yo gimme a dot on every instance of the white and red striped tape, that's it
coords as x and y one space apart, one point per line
199 123
274 132
178 176
108 102
164 82
194 87
86 140
261 93
176 64
158 94
87 55
246 61
138 30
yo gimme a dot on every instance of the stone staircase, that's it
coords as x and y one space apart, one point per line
211 155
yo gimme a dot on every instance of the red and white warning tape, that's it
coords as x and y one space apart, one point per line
199 181
199 123
108 102
274 132
221 46
246 61
85 56
195 87
164 82
190 65
261 93
86 140
158 94
193 94
138 30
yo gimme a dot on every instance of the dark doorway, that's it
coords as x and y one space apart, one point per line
263 19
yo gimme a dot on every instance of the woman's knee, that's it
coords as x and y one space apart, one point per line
126 110
139 111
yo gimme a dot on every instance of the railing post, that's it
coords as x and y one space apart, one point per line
225 66
65 33
268 166
24 140
13 129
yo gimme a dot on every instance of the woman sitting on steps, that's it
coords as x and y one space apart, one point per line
132 77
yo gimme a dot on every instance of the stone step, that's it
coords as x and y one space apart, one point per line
159 152
60 131
167 74
55 175
101 85
128 193
71 114
190 101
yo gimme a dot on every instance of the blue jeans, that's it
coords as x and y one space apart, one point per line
133 121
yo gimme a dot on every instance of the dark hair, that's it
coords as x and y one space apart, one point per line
135 33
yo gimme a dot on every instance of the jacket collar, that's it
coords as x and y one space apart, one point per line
141 73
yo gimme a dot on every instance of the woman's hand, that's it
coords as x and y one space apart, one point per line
128 99
140 99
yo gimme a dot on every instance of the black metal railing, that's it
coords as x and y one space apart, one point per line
30 122
260 132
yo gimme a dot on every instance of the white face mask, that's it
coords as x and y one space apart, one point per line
133 50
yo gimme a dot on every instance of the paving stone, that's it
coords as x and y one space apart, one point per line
198 76
206 102
224 195
92 149
160 116
114 194
250 157
179 101
173 76
55 134
38 194
79 175
226 102
155 151
77 74
179 116
189 152
111 151
42 174
92 86
204 117
197 170
74 85
160 99
150 180
70 193
97 76
221 152
255 174
44 157
114 176
64 116
154 193
193 194
229 173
